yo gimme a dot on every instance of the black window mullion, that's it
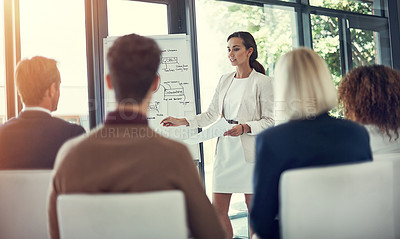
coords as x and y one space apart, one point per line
191 30
299 24
394 28
345 46
306 24
96 30
93 117
176 17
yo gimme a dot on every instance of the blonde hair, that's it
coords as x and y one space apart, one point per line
303 85
34 76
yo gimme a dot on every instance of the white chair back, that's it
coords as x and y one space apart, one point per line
395 160
160 214
348 201
23 204
390 156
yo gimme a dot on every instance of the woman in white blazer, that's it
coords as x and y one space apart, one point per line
245 99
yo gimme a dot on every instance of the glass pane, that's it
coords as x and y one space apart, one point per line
325 37
125 17
121 12
2 69
363 47
359 6
280 34
275 33
61 36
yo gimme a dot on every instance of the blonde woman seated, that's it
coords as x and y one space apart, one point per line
371 96
304 89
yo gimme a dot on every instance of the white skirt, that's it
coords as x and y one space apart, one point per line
232 173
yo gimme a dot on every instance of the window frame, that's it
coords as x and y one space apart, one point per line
388 15
12 51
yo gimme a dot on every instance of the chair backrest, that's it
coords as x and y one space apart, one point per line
390 156
395 160
160 214
23 203
348 201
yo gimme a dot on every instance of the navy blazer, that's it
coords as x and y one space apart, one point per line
320 141
32 140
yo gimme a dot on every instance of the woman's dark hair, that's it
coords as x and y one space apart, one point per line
248 41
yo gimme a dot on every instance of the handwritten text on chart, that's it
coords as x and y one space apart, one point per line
169 50
178 68
174 91
169 60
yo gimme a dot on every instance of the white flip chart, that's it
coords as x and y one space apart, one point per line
174 95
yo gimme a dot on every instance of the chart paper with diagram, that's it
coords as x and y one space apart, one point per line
175 93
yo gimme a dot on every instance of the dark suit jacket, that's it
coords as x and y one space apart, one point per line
32 140
296 144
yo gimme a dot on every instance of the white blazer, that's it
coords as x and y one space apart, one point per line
256 108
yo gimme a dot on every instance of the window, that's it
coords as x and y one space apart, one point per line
364 42
358 6
325 38
3 103
280 33
126 17
56 29
364 47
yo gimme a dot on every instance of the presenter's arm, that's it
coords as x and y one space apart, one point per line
171 121
212 114
200 120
